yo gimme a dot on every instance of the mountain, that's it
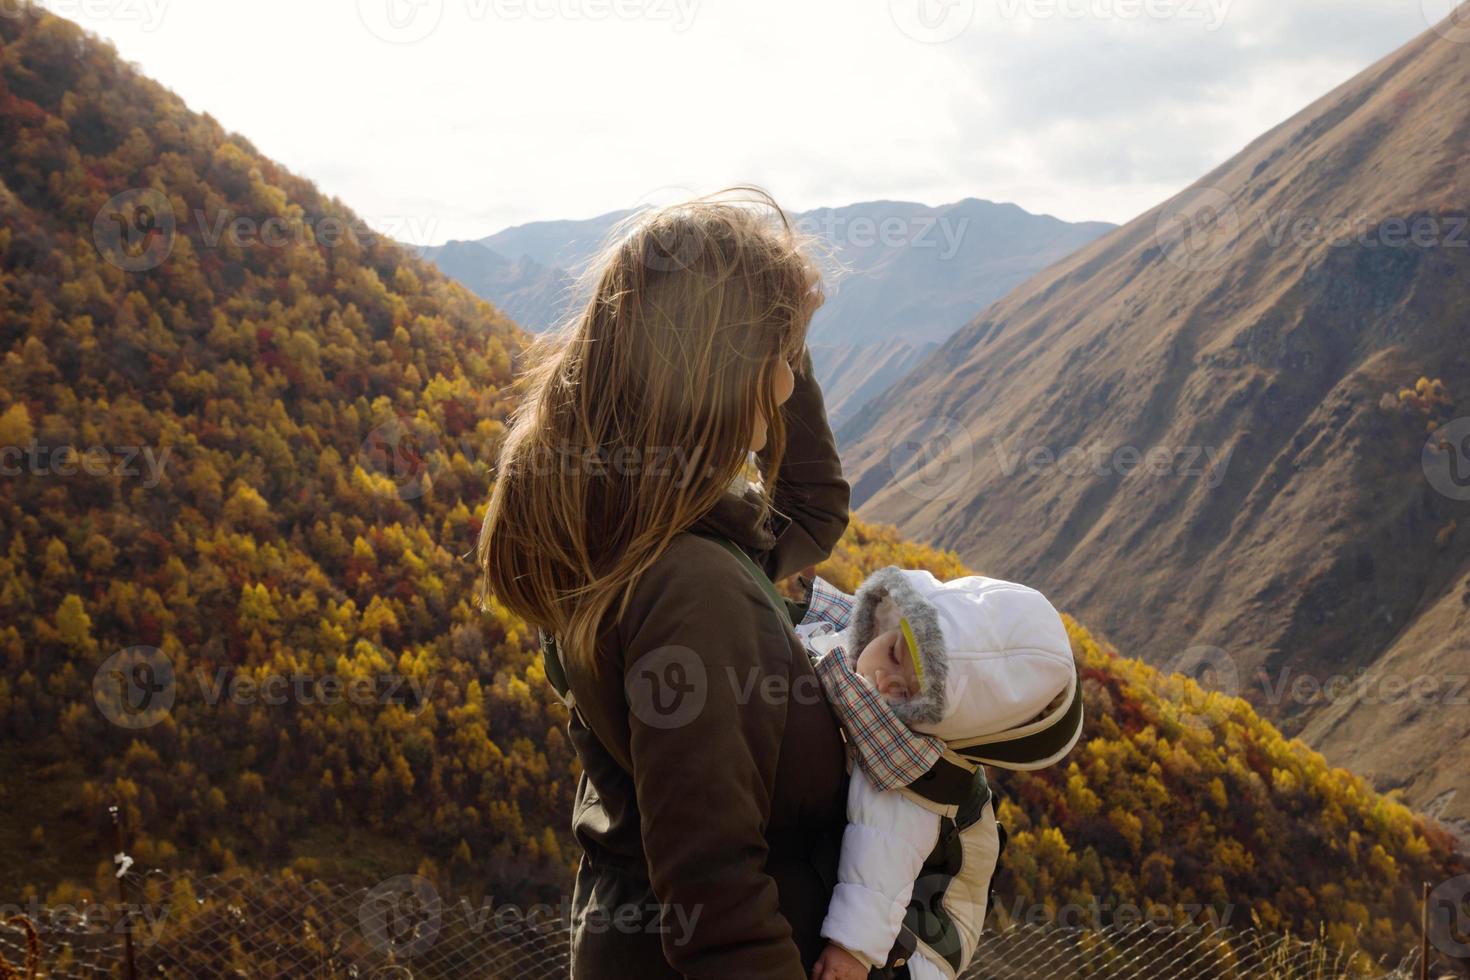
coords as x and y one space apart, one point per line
850 374
903 277
245 441
523 289
1288 338
526 270
557 244
919 272
247 616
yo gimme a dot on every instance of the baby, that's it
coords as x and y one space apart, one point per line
920 671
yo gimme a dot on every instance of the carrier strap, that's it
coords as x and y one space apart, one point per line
556 674
904 945
947 783
793 611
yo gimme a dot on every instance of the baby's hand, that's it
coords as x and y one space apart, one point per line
836 963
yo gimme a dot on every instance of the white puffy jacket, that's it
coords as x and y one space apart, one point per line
996 658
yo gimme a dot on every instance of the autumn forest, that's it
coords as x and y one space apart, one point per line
247 446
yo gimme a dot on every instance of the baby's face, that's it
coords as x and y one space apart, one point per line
886 664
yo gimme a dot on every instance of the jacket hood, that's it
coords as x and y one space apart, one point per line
994 654
884 597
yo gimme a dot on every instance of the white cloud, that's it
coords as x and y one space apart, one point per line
496 112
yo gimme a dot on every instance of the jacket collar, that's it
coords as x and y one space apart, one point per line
737 516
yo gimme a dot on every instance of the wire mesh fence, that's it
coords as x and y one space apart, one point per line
235 926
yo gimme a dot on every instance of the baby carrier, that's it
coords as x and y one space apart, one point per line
956 881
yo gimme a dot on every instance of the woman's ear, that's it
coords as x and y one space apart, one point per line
785 381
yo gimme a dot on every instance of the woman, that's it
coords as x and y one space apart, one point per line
711 804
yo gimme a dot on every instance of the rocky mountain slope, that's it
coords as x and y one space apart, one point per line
1206 433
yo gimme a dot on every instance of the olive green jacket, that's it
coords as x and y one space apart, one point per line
712 801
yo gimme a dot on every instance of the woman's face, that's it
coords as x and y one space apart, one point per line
785 382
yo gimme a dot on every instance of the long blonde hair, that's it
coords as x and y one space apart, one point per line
659 378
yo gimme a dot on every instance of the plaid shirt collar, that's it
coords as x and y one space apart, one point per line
889 752
828 610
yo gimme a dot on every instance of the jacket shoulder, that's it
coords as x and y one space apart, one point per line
696 586
696 559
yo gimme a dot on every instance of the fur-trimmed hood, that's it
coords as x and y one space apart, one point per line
994 654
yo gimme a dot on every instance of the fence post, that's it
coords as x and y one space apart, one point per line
120 857
1424 933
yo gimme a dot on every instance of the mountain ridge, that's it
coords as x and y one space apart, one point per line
901 276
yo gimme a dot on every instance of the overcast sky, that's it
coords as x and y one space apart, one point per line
438 119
